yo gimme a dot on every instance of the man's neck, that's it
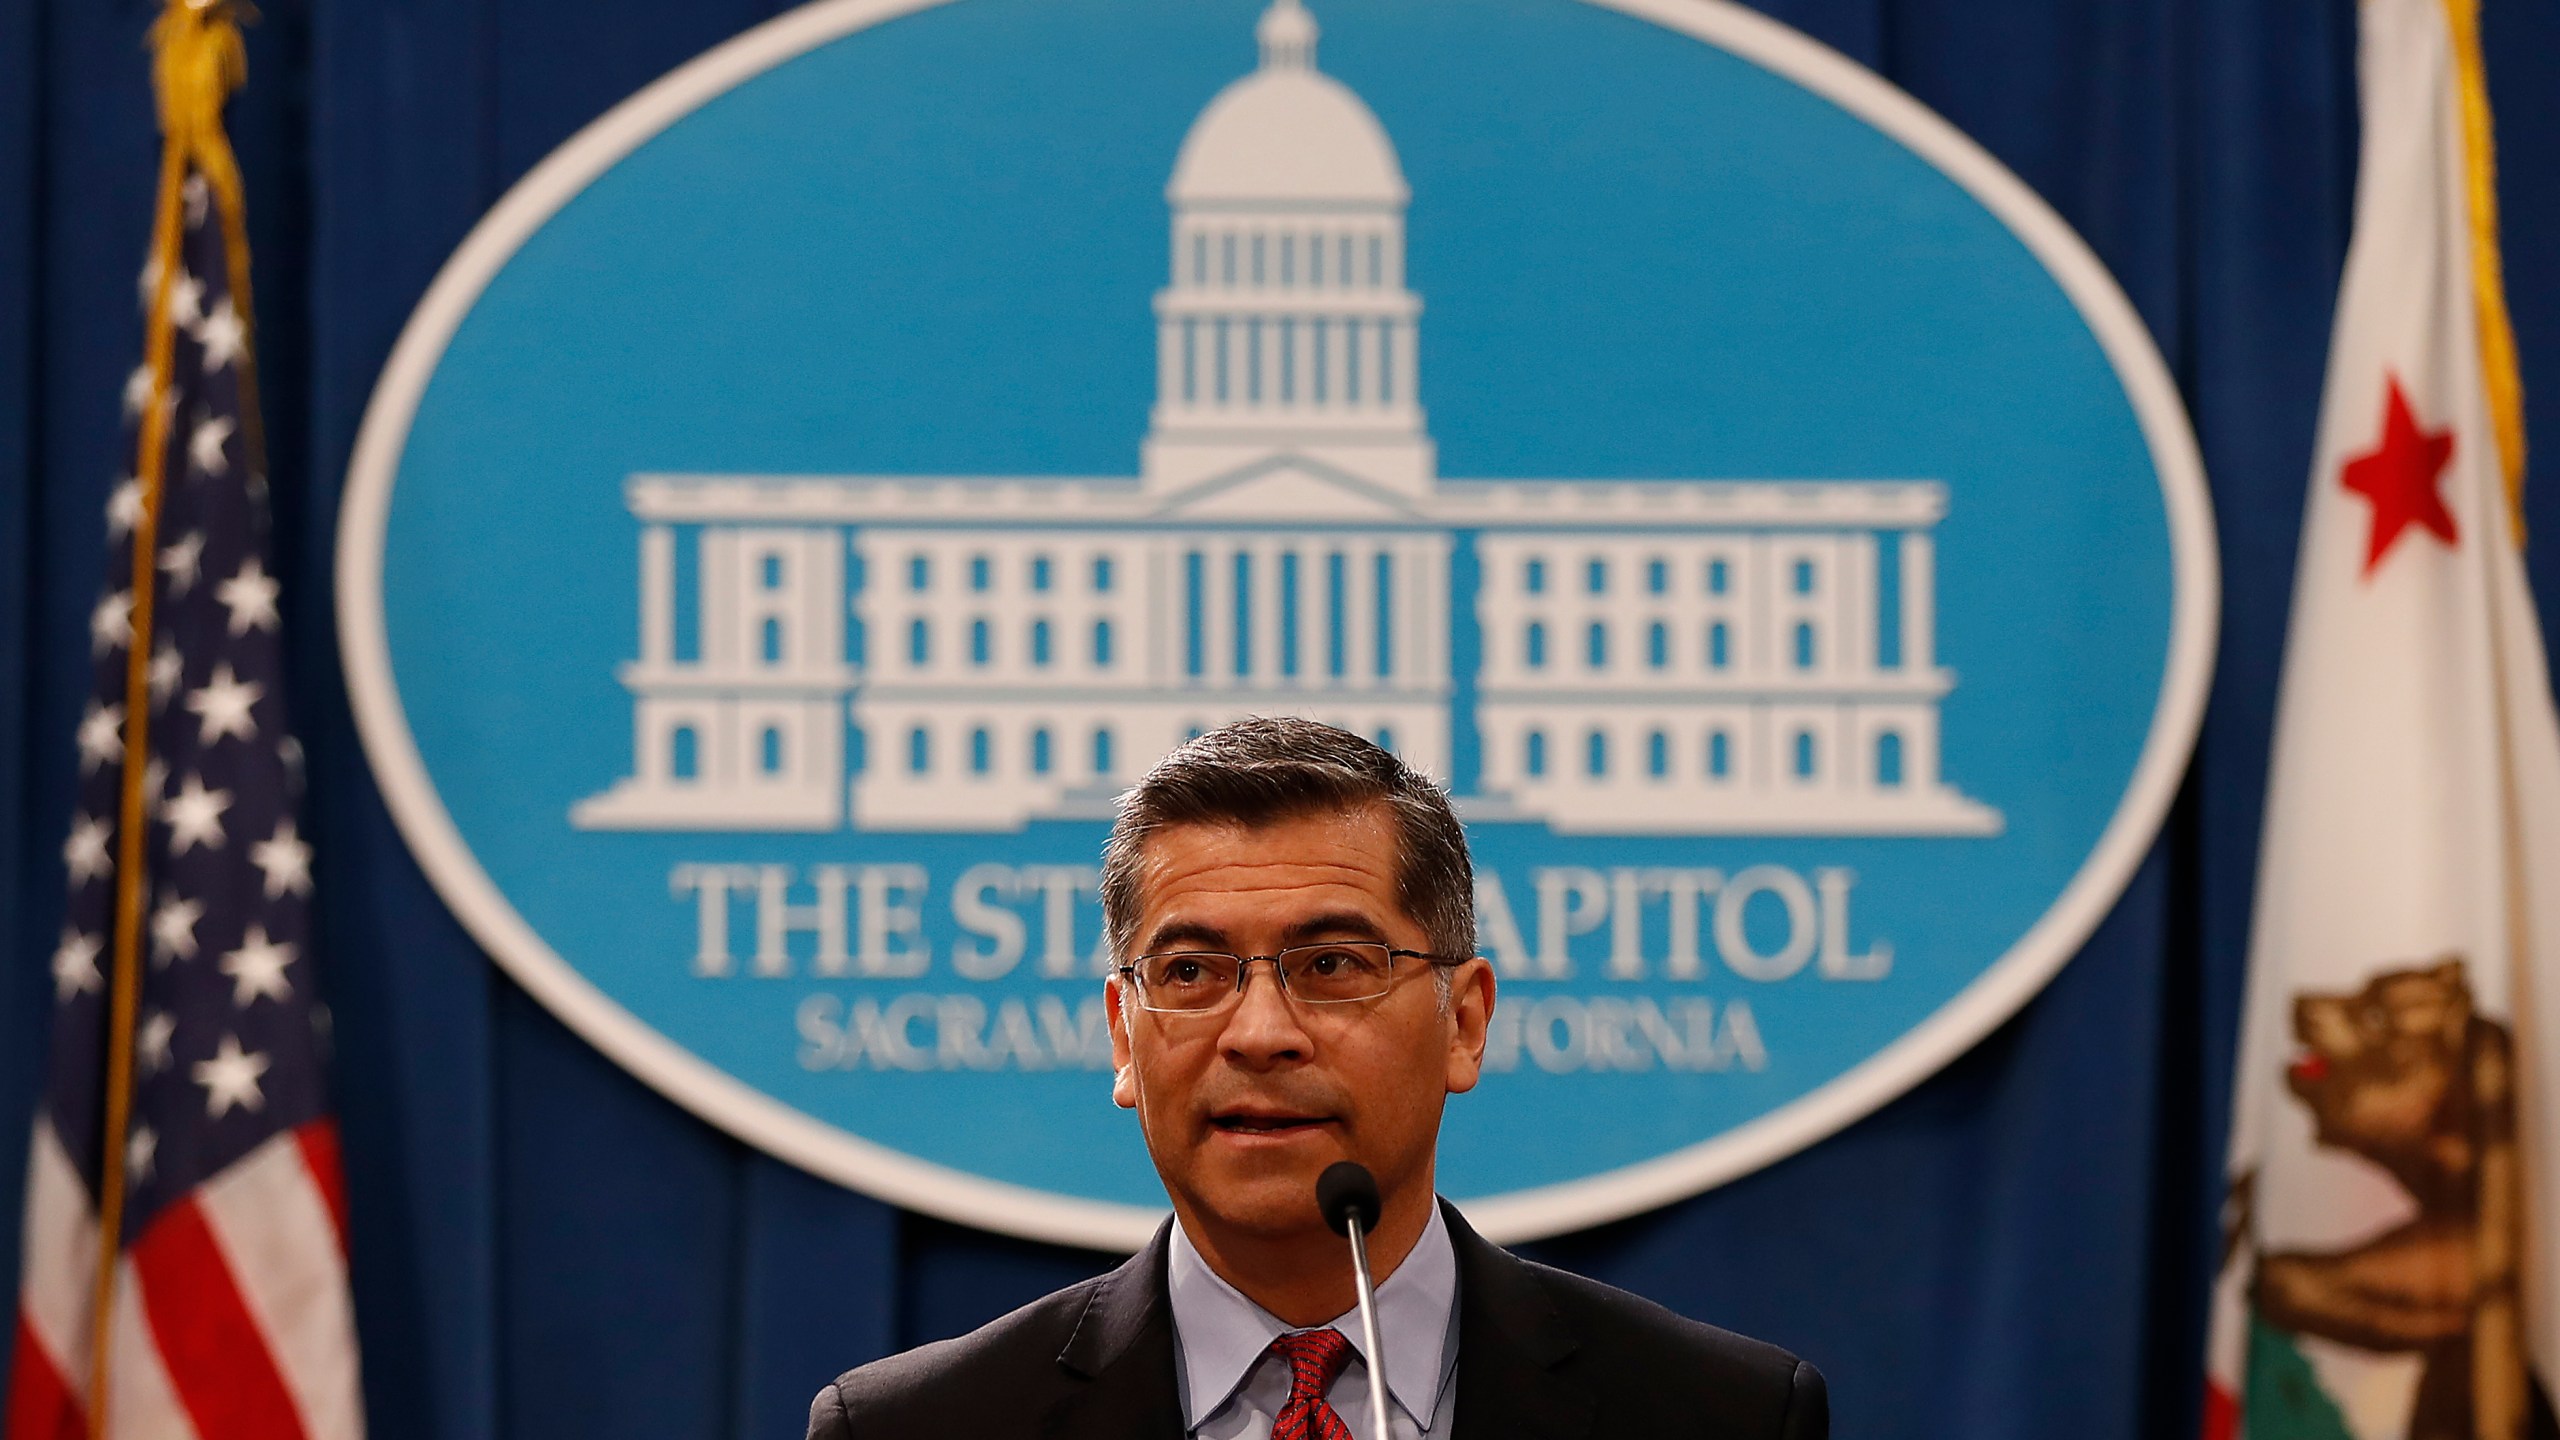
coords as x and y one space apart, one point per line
1304 1278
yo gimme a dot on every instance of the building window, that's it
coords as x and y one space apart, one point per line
1315 260
1595 645
1533 577
1384 576
982 643
1595 754
1342 272
1595 576
684 753
1227 259
982 572
1289 612
919 573
855 636
1719 577
1102 752
1889 758
1804 755
1719 646
1288 260
1377 261
1533 644
1719 754
1242 571
772 640
1039 642
1657 645
919 641
1101 574
1258 251
1199 259
1657 575
1804 577
771 742
1193 732
773 572
1102 644
1337 598
1804 645
1386 738
919 751
1533 753
1040 573
1040 751
857 749
1195 611
981 751
1657 754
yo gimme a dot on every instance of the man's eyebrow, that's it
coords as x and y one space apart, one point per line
1333 925
1178 933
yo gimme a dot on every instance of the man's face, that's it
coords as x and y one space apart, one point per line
1244 1106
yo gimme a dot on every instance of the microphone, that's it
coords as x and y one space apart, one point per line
1347 1196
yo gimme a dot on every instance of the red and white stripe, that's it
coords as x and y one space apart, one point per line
232 1318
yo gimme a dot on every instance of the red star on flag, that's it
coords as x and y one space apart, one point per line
2398 476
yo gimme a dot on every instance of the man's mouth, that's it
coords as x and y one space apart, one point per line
1255 1123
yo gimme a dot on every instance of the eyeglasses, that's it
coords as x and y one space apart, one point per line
1336 972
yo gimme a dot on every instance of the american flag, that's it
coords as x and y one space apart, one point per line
230 1313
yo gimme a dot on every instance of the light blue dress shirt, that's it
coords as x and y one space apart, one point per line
1232 1386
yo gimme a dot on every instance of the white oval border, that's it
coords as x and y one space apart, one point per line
837 1154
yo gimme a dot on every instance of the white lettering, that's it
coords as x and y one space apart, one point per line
1838 962
710 885
1733 940
976 912
892 920
1572 901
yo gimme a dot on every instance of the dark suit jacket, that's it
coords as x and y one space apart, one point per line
1542 1355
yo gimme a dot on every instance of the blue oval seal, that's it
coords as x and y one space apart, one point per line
811 495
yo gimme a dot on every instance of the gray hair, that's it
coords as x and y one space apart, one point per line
1261 770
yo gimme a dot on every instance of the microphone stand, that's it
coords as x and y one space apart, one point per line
1369 1331
1349 1197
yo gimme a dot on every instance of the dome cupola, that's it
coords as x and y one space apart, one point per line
1286 328
1287 133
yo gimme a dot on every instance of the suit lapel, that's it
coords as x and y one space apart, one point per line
1120 1359
1511 1338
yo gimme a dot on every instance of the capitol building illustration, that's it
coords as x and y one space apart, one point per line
978 652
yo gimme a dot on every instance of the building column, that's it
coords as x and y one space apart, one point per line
657 596
1919 601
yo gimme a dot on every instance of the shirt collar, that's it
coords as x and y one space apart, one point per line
1222 1333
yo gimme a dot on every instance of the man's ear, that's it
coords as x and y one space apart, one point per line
1471 988
1124 1075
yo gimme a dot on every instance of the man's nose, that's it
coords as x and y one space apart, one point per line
1264 1027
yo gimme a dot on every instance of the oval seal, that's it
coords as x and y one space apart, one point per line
811 495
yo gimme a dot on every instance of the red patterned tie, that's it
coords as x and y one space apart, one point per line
1315 1357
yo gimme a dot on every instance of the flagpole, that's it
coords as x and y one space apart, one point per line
196 63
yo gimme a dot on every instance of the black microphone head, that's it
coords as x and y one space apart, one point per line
1346 1188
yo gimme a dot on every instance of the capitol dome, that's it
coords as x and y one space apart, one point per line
1287 133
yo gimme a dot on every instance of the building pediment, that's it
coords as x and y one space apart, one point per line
1287 488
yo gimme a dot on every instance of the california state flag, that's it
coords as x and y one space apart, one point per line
2389 1251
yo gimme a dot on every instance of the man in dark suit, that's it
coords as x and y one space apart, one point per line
1293 847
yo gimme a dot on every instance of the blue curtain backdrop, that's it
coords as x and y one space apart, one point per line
543 1247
